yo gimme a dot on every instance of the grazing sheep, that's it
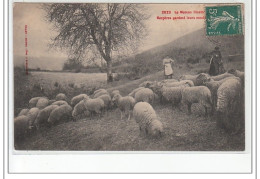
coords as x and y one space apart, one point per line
134 91
94 105
33 102
61 96
76 99
99 90
172 94
51 101
21 126
60 113
125 104
144 95
80 111
197 94
197 80
222 76
146 118
169 81
42 103
43 115
228 105
114 92
176 84
213 87
107 100
59 103
100 93
238 74
145 84
32 114
23 112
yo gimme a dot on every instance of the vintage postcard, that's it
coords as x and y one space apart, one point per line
122 77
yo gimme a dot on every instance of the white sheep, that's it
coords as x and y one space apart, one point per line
114 92
180 83
51 101
94 106
21 126
197 80
61 96
43 115
33 102
42 103
238 74
213 87
221 76
107 101
99 90
23 112
197 94
32 114
60 102
146 118
60 113
228 104
100 93
76 99
172 94
169 81
145 84
125 104
80 111
144 95
134 91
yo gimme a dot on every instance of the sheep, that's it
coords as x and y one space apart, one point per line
43 115
144 95
197 94
114 92
146 118
59 103
222 76
238 74
32 114
61 96
169 81
213 87
197 80
172 94
23 112
134 91
175 84
125 104
94 105
42 103
76 99
80 111
60 113
107 100
21 126
228 105
99 90
100 93
51 101
33 102
145 84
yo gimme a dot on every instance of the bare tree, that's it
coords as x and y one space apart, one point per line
107 27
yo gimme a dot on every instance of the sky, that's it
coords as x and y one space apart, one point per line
40 31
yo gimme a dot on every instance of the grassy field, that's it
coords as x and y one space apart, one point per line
182 132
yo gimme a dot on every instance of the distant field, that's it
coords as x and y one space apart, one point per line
183 132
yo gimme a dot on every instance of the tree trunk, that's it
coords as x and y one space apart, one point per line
109 71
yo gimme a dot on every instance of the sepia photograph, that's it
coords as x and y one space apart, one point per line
128 77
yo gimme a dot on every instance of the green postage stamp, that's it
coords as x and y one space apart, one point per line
223 20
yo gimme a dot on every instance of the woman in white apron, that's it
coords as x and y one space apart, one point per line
167 63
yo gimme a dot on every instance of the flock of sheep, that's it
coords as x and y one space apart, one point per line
220 95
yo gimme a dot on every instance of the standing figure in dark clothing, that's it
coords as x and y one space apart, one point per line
216 64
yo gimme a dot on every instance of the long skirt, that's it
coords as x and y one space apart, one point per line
168 69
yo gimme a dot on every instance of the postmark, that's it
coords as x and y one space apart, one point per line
223 20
